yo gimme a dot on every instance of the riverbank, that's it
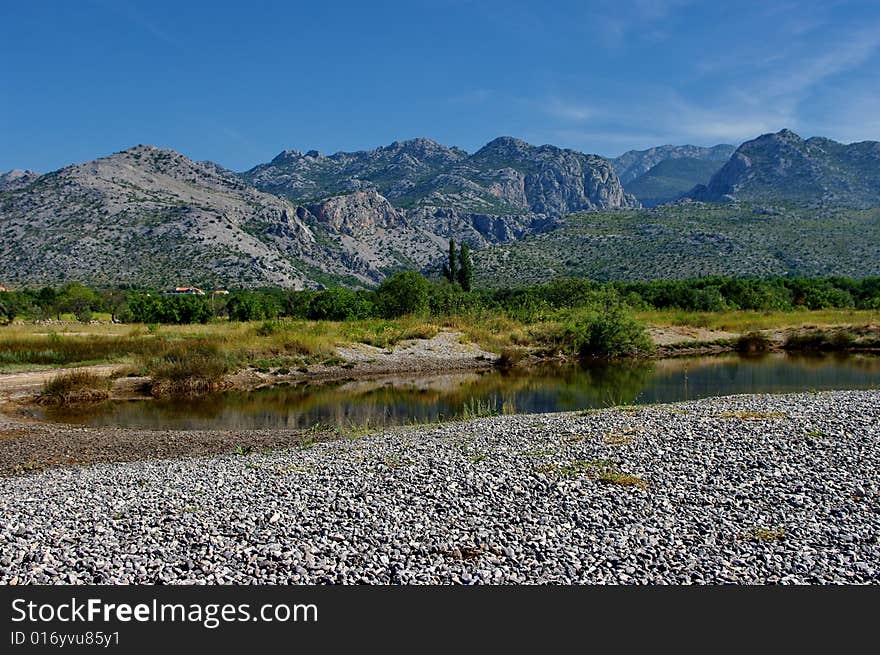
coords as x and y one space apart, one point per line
404 353
745 489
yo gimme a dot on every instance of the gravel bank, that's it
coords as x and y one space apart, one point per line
746 489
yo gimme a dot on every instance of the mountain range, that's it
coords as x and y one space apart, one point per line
151 216
785 167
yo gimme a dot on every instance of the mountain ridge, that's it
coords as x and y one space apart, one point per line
152 216
505 176
782 166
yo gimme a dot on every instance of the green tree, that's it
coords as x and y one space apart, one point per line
450 268
9 306
465 268
78 300
403 293
251 306
116 302
338 304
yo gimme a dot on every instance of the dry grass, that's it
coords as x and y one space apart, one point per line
754 416
764 534
494 332
622 437
188 368
385 333
75 387
749 321
598 469
611 476
291 343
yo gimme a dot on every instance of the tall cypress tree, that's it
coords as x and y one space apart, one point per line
465 268
452 265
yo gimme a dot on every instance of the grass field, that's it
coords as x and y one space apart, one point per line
268 343
292 344
747 321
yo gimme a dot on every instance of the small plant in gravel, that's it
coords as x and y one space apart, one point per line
764 534
75 387
351 429
623 437
754 416
613 476
599 469
396 462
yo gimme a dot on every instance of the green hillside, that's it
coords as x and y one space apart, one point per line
690 240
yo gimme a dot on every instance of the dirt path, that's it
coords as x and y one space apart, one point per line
683 334
14 386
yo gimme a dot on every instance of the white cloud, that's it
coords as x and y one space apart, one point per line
570 111
803 73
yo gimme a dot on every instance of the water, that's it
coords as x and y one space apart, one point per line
549 388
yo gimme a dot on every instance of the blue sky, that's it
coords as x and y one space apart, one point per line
236 82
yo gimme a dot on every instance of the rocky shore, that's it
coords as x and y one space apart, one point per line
742 489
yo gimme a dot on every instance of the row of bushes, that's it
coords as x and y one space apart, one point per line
410 293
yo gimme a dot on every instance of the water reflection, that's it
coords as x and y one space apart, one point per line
402 399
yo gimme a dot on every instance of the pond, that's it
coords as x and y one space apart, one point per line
547 388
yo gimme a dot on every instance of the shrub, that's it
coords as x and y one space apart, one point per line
448 299
510 357
187 369
403 293
753 342
820 340
10 305
339 304
824 296
78 300
268 328
251 307
75 387
295 304
612 333
179 310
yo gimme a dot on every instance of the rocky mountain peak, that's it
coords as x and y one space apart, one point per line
286 156
17 178
783 166
786 134
504 145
